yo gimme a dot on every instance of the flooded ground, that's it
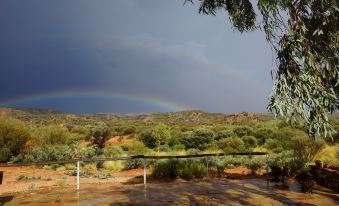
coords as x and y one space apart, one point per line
204 192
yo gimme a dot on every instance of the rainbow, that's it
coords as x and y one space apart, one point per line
133 97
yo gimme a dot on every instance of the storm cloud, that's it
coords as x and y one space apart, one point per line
156 48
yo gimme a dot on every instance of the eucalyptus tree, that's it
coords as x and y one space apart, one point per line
304 37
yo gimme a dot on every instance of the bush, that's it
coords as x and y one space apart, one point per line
114 166
168 168
232 144
191 171
178 147
250 141
243 130
113 151
280 159
53 135
133 164
173 168
263 134
13 136
70 166
255 163
21 177
5 154
277 145
46 153
60 168
60 182
305 148
100 136
165 148
148 138
223 134
135 148
82 151
89 166
200 138
193 152
220 167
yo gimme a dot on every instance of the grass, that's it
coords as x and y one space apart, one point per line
114 166
329 155
60 182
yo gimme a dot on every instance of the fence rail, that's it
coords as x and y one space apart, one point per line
144 157
132 157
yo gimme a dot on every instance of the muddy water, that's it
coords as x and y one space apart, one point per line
212 192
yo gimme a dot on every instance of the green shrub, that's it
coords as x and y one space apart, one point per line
32 187
5 154
52 135
148 138
133 164
135 148
46 153
52 153
277 145
172 168
280 159
168 168
82 151
178 147
47 167
250 141
220 167
193 152
263 134
102 176
70 166
195 170
165 148
13 136
21 177
232 144
89 166
243 130
224 134
200 138
61 168
60 182
305 149
113 151
114 166
232 162
255 163
100 136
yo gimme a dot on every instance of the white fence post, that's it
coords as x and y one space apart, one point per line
78 175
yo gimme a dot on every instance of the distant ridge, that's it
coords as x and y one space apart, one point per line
37 110
50 116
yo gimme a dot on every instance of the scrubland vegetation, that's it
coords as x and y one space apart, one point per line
62 137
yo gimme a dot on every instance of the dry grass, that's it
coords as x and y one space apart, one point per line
329 155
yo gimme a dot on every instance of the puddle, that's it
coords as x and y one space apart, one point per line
213 192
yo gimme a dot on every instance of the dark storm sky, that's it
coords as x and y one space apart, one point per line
152 48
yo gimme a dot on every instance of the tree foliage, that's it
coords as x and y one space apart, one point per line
13 135
304 35
200 138
160 133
